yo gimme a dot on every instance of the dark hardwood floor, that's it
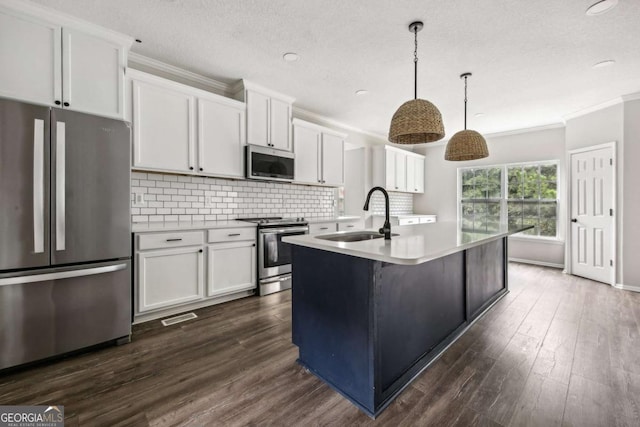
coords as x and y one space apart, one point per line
557 350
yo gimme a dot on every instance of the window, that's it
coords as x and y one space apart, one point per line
522 194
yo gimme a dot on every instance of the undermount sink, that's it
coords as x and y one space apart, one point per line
354 236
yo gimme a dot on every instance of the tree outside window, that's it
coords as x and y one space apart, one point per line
529 198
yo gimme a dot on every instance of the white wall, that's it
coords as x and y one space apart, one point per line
441 181
631 194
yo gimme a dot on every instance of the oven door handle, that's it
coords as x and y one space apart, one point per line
283 278
284 230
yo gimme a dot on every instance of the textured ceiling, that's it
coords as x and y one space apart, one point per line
531 60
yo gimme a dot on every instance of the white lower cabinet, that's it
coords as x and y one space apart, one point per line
323 227
180 270
231 267
351 225
169 277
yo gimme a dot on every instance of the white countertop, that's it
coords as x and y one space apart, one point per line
413 245
333 219
401 216
143 227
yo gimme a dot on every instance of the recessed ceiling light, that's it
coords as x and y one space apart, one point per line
478 115
290 57
362 92
604 63
601 7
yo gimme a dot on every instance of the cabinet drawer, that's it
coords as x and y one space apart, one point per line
408 221
322 227
351 225
427 219
231 234
170 240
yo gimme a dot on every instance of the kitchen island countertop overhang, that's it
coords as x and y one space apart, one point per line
369 316
410 245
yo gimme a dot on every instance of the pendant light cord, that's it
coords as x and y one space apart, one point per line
465 102
415 64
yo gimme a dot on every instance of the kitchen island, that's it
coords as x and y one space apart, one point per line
369 316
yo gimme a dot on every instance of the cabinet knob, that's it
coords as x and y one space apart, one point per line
201 169
66 104
190 167
57 102
200 251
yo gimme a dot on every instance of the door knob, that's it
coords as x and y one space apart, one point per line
574 220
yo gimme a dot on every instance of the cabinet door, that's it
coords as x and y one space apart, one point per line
257 118
323 227
280 126
231 267
390 170
169 277
163 124
92 74
411 174
401 172
307 161
357 224
30 58
220 139
332 160
419 174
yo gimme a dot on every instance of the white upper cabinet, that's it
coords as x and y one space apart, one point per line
319 154
177 128
221 127
268 116
307 151
398 170
163 125
418 174
92 74
31 55
332 159
52 59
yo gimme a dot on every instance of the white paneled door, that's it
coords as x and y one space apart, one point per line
592 213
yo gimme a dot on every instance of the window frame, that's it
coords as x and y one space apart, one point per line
504 195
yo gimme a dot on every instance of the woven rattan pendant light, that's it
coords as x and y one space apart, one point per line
466 144
416 121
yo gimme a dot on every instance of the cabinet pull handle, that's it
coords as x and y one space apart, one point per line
174 240
324 228
233 234
350 226
66 104
57 102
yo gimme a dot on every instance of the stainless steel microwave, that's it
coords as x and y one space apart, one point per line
269 164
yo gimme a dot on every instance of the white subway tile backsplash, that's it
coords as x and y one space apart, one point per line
399 203
185 198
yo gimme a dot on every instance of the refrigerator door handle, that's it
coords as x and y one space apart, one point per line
38 186
60 186
61 275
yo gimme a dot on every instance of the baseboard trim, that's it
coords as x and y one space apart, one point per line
627 287
534 262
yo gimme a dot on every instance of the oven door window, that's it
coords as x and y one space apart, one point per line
276 252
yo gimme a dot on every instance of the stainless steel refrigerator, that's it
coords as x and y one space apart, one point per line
65 251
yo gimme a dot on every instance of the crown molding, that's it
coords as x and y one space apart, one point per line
631 97
188 76
540 128
307 115
593 108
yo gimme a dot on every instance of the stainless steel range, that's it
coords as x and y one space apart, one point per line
274 256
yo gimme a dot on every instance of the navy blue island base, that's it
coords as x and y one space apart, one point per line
368 328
